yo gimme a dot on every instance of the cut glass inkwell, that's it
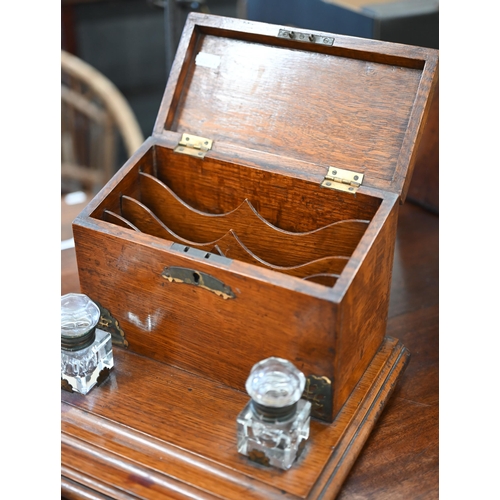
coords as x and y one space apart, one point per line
86 351
274 425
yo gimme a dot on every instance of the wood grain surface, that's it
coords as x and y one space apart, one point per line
366 104
279 112
424 188
358 104
259 236
319 328
183 441
400 458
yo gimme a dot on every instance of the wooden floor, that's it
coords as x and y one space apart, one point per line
400 458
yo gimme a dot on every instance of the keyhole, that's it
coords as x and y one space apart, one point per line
196 277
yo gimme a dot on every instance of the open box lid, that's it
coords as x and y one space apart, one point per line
302 102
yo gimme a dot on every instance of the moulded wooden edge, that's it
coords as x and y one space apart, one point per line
74 489
359 428
90 470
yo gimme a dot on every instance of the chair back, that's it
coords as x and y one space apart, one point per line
96 121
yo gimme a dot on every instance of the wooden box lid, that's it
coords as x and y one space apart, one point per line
300 101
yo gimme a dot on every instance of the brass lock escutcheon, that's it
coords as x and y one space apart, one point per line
175 274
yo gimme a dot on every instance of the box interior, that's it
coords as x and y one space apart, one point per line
274 221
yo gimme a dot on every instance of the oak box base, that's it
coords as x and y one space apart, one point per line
154 431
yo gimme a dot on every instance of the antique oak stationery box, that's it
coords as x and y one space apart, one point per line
259 218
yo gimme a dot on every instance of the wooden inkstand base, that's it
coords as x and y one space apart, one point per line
153 431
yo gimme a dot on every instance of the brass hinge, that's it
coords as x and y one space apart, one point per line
342 180
193 145
305 37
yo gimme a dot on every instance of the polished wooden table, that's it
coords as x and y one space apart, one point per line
400 459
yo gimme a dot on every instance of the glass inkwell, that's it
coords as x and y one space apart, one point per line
86 351
273 427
